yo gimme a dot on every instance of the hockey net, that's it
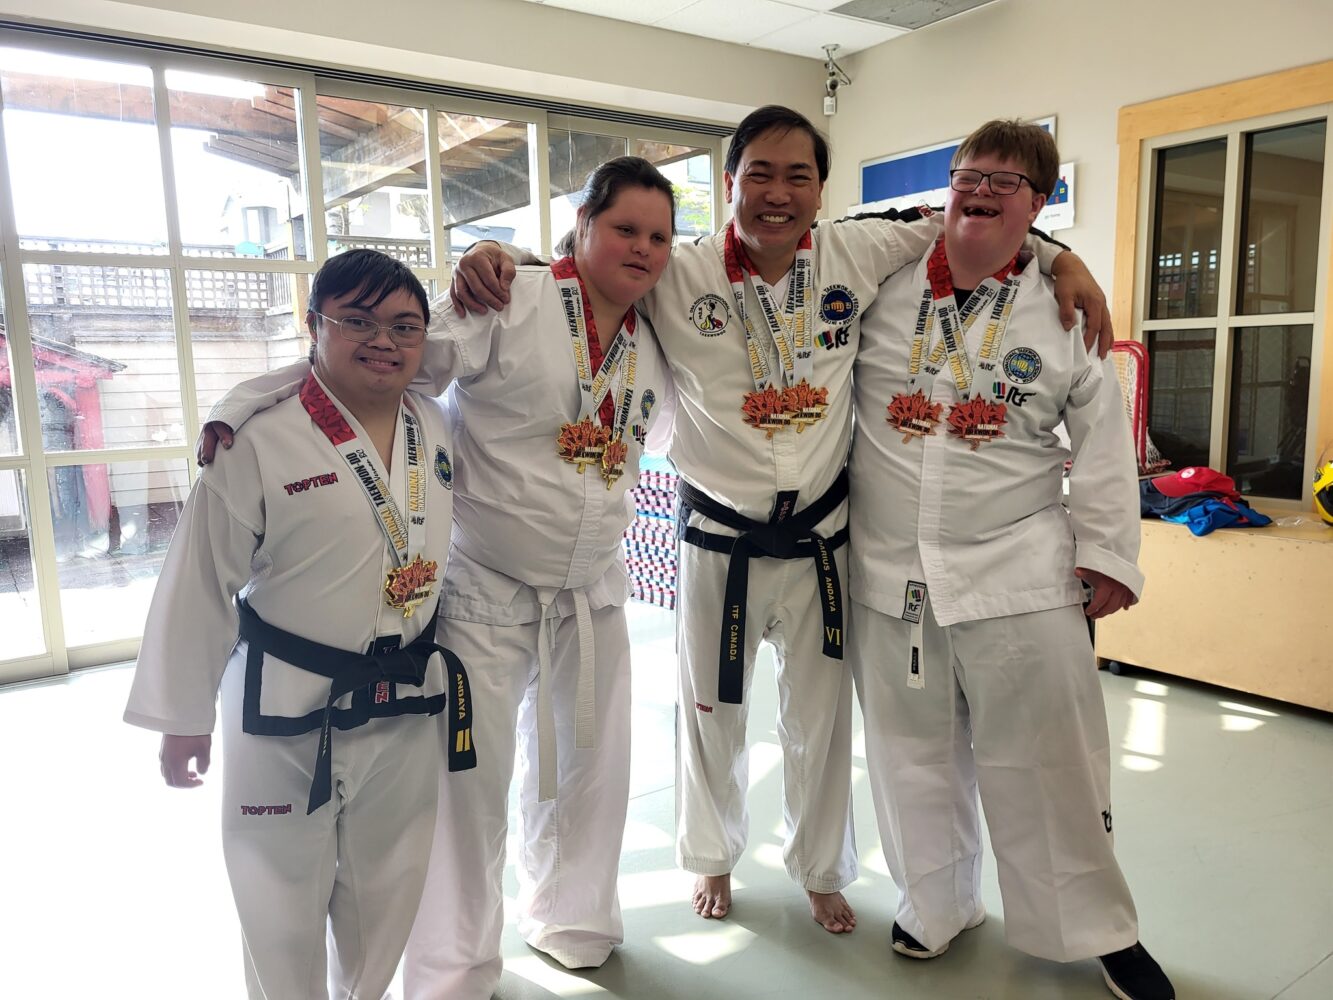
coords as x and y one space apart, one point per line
1131 367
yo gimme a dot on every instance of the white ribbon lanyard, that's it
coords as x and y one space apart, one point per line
620 359
406 535
790 328
938 303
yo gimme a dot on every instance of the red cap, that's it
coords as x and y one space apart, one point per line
1195 479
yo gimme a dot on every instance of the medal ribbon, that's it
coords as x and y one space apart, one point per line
620 358
791 329
406 536
938 302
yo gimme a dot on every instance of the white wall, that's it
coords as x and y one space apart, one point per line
489 44
1080 60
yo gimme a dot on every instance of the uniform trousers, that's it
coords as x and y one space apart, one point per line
1011 707
352 871
568 847
784 608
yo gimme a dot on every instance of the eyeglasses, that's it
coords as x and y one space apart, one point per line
1001 181
360 330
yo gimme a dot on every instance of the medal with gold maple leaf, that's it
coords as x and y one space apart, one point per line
805 404
408 586
582 443
613 460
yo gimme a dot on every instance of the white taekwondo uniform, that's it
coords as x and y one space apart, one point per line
996 686
534 596
283 521
739 468
798 610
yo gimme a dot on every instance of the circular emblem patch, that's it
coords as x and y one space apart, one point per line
1022 365
838 306
710 314
444 469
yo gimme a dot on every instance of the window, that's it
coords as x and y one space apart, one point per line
169 211
572 155
1232 291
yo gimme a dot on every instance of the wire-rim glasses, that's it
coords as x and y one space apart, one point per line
361 330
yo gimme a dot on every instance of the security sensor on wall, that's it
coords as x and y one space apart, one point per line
834 80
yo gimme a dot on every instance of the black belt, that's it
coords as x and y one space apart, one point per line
348 672
787 536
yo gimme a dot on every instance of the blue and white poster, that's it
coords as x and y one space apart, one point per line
921 177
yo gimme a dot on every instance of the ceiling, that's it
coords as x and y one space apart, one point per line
799 27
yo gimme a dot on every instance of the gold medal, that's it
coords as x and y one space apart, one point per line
977 420
409 585
613 461
763 409
582 443
805 403
914 415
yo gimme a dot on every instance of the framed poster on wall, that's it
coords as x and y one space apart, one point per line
921 177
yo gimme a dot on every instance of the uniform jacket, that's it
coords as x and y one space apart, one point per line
988 531
281 519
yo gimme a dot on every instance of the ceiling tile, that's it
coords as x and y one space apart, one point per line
815 5
639 11
808 36
733 20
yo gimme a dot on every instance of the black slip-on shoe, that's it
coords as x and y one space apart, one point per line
1133 974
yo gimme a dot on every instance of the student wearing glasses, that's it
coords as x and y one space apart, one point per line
969 645
302 583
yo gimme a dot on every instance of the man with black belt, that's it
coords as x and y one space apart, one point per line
333 522
760 325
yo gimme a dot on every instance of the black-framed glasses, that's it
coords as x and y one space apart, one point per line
360 330
1001 181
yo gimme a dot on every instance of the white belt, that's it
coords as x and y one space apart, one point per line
585 699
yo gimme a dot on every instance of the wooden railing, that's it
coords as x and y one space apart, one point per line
143 286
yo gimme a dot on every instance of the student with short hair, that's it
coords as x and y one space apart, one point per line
968 643
301 583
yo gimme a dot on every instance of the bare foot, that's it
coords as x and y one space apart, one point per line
832 911
712 896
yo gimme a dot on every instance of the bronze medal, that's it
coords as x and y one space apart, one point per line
764 409
977 421
914 415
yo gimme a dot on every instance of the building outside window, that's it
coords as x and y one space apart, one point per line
167 214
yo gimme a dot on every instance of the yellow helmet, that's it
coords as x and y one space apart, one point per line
1323 491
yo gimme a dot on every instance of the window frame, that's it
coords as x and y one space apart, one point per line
32 461
1227 321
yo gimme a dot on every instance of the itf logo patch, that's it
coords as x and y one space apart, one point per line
444 469
1022 365
829 339
838 306
710 314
